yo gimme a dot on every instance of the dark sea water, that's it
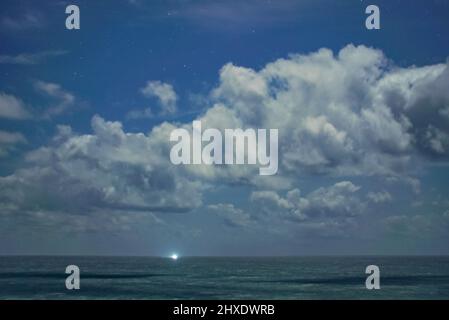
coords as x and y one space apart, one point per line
224 278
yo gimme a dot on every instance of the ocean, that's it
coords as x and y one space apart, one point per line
43 277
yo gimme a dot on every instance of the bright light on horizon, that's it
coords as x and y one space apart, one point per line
174 256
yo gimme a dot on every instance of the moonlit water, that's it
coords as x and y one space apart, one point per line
224 278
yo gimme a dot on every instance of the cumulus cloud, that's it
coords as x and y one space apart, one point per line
164 92
12 107
343 115
234 217
106 170
379 197
336 210
437 141
348 114
336 201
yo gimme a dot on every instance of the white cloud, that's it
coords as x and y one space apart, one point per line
9 140
438 140
64 99
164 92
343 115
11 137
12 107
379 197
27 20
106 170
346 114
337 201
30 58
233 216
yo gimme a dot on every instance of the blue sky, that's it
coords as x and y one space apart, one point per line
394 200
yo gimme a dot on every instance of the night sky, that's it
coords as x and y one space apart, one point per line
85 118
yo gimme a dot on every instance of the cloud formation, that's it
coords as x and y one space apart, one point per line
349 114
30 58
107 170
12 107
344 115
336 201
25 21
9 140
379 197
165 94
63 98
233 217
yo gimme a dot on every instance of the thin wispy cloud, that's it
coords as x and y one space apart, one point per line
134 114
9 141
30 58
239 14
63 98
11 137
28 20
